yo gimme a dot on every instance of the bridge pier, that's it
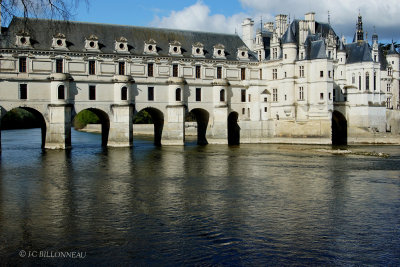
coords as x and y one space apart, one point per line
58 132
121 124
218 133
174 128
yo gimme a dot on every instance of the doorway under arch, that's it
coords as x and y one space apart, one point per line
102 118
233 129
156 117
25 118
339 129
202 117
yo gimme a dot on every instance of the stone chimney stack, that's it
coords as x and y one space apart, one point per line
248 32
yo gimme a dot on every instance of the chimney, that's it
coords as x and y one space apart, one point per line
248 32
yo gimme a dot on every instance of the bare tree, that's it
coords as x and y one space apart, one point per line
52 9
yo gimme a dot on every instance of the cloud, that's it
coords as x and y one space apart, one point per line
343 13
197 17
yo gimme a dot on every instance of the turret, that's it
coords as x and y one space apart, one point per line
375 47
393 58
248 32
289 46
360 31
341 53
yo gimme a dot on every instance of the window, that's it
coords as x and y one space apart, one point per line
389 71
243 111
150 93
243 74
329 74
175 70
301 93
359 82
367 81
329 54
198 94
124 93
353 79
274 74
285 74
22 64
334 94
275 52
301 55
219 72
92 67
222 95
285 97
243 94
92 92
260 74
178 94
249 97
248 111
265 109
374 81
321 73
330 96
150 69
121 68
23 91
301 71
388 88
275 95
61 92
198 76
375 58
388 102
265 99
59 65
285 56
321 96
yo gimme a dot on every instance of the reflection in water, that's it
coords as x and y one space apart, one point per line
247 205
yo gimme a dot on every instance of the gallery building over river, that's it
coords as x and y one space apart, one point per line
289 82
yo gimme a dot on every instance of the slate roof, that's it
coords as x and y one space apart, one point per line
42 32
392 50
358 52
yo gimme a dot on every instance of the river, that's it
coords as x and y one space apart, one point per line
249 205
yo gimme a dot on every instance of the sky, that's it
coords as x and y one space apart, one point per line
226 15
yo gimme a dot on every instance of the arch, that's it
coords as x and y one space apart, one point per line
39 122
124 93
158 120
178 94
202 118
222 95
105 123
339 129
233 129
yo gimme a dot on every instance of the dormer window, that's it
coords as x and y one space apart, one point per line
175 48
243 53
59 42
198 50
92 43
150 47
219 51
121 45
23 39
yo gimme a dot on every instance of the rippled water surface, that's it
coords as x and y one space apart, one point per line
197 205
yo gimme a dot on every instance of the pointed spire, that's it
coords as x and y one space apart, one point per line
341 46
392 50
288 37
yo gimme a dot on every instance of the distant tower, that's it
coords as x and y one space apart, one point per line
360 31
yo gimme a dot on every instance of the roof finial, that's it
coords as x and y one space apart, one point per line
329 18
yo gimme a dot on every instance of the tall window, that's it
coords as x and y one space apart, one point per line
353 79
198 94
121 68
124 93
301 93
23 91
150 69
59 65
175 70
198 76
92 67
150 93
222 95
274 74
275 95
243 74
92 92
61 92
321 96
260 74
321 73
334 94
249 97
388 88
389 71
22 64
219 72
388 102
178 93
301 71
367 81
359 82
243 92
374 81
329 74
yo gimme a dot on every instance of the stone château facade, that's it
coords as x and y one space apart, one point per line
294 82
